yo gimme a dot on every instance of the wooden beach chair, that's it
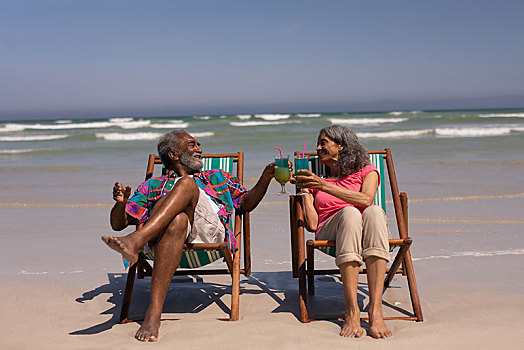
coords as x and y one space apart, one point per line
197 255
303 266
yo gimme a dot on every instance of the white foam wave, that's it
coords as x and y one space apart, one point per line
204 117
202 134
272 116
255 123
472 132
479 254
396 113
395 134
120 120
170 126
65 121
115 136
366 121
244 116
312 115
16 151
502 115
124 123
24 272
32 138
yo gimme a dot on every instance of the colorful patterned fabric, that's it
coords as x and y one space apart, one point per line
222 187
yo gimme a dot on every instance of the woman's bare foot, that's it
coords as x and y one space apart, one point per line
377 327
123 245
351 327
149 329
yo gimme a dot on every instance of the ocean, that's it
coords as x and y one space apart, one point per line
462 170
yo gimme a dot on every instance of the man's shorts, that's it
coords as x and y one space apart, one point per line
206 227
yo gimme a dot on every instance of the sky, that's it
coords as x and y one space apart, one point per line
91 58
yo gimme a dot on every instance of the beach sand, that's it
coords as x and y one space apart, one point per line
62 288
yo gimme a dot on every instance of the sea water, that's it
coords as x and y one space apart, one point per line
455 165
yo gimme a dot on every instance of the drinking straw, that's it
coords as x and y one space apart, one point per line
281 160
304 150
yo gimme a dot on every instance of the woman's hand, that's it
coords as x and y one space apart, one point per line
306 179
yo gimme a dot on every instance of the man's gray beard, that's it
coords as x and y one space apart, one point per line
191 162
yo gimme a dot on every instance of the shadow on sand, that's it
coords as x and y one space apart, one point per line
191 294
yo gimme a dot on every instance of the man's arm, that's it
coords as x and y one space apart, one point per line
118 216
255 195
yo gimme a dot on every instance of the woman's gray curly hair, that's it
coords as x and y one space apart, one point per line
353 156
169 142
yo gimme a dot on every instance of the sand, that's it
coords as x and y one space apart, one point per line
61 287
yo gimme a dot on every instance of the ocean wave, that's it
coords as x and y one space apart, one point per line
124 123
32 138
244 116
16 151
272 116
255 123
502 115
473 132
474 254
203 117
311 115
396 113
173 125
115 136
395 134
366 121
202 134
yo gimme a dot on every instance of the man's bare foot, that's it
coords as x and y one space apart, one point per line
351 327
124 246
149 329
377 327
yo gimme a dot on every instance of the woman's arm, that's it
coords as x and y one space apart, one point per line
364 198
310 214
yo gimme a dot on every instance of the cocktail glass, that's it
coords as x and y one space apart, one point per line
282 173
301 163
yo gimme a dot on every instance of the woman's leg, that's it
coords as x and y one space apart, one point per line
376 255
346 228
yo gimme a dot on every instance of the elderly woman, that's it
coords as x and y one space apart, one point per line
340 207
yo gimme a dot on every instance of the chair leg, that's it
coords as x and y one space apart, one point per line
128 292
413 290
310 263
235 287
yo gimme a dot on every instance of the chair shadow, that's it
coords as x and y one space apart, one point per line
176 300
191 294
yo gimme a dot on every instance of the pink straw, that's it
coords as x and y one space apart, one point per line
281 160
304 150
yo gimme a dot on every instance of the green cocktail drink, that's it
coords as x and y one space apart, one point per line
282 173
301 163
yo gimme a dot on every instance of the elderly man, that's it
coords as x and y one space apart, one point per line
173 208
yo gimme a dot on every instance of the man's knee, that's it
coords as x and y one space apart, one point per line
178 226
186 183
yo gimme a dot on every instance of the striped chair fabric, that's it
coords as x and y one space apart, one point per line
197 258
380 197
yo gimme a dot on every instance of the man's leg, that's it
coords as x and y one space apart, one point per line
168 251
182 199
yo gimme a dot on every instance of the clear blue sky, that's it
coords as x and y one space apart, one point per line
168 57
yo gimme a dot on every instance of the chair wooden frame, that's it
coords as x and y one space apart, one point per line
142 268
303 266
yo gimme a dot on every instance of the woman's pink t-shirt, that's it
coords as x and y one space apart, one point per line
328 205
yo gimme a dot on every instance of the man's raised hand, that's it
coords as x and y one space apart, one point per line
120 192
